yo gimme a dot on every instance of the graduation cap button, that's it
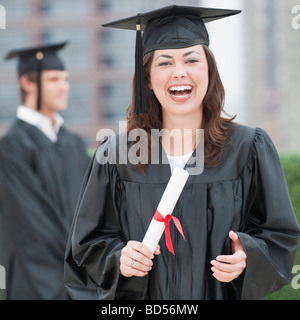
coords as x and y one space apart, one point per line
39 55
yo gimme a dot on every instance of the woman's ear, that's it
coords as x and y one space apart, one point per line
150 85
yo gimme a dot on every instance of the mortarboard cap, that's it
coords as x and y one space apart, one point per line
171 27
37 59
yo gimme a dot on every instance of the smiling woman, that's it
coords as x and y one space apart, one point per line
235 214
210 103
179 75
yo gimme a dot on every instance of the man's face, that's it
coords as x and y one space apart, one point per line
55 90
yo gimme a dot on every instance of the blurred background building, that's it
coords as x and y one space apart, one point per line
257 54
272 73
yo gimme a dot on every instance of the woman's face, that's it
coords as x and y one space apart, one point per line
179 79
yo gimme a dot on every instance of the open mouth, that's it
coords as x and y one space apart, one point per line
180 91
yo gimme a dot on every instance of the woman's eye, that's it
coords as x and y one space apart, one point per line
164 63
192 61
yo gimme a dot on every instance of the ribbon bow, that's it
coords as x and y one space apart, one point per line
158 217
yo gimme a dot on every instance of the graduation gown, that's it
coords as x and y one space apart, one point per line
39 187
246 192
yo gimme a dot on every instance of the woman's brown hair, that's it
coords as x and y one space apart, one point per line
216 129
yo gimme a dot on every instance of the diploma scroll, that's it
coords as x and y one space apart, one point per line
165 207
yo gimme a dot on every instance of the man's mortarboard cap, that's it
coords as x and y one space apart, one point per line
171 27
39 58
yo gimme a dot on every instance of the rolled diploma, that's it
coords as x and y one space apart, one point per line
166 206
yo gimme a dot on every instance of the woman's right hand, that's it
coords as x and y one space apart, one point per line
136 259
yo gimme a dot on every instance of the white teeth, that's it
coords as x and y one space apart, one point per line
180 88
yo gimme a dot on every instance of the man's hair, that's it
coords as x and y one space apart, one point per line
31 76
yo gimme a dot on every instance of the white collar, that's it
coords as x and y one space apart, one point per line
41 122
178 161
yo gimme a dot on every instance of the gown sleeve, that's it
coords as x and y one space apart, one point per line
36 240
92 259
270 231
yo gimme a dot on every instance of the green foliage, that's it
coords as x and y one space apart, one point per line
91 152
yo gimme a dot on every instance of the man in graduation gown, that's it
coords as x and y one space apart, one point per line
245 192
42 167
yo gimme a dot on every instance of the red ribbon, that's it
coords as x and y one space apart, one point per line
158 217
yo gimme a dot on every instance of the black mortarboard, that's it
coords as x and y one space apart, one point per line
170 27
37 59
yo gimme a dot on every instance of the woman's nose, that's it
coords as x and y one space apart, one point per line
179 71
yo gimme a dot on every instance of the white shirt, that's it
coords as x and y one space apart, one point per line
178 161
41 122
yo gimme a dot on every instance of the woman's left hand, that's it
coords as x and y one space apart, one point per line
228 267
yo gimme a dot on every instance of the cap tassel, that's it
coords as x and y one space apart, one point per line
39 57
139 103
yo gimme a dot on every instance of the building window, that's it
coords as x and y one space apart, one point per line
116 98
76 53
65 8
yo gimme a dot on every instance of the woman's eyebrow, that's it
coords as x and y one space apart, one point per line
164 56
190 52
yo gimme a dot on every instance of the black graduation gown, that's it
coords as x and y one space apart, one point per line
246 193
39 187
